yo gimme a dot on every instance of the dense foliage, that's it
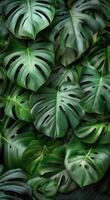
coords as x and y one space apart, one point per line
54 96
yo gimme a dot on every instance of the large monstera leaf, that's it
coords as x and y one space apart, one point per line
97 90
53 167
13 186
75 26
29 66
90 132
53 109
15 138
86 164
16 103
28 17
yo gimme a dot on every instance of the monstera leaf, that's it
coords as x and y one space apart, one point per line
97 90
13 186
75 26
35 153
29 66
99 55
43 188
84 162
62 74
90 132
53 167
16 102
52 109
15 138
28 17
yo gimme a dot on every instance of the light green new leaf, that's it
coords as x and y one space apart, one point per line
26 18
53 110
75 27
29 66
86 165
90 132
97 90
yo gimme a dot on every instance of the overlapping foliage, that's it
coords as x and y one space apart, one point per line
54 96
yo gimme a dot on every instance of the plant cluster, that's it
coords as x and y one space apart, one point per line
54 96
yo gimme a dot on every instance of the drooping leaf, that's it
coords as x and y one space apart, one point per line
86 164
97 90
29 66
52 109
28 17
75 26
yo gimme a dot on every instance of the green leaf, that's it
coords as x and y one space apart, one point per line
43 187
15 138
53 167
13 186
16 102
64 74
97 90
35 153
75 27
29 66
99 55
90 132
53 110
28 17
86 165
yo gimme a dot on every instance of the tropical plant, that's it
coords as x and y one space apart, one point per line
54 98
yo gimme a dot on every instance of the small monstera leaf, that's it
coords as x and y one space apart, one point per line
75 26
64 74
15 138
53 109
28 17
35 153
90 132
86 165
53 167
13 186
29 66
97 90
15 101
99 55
43 188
